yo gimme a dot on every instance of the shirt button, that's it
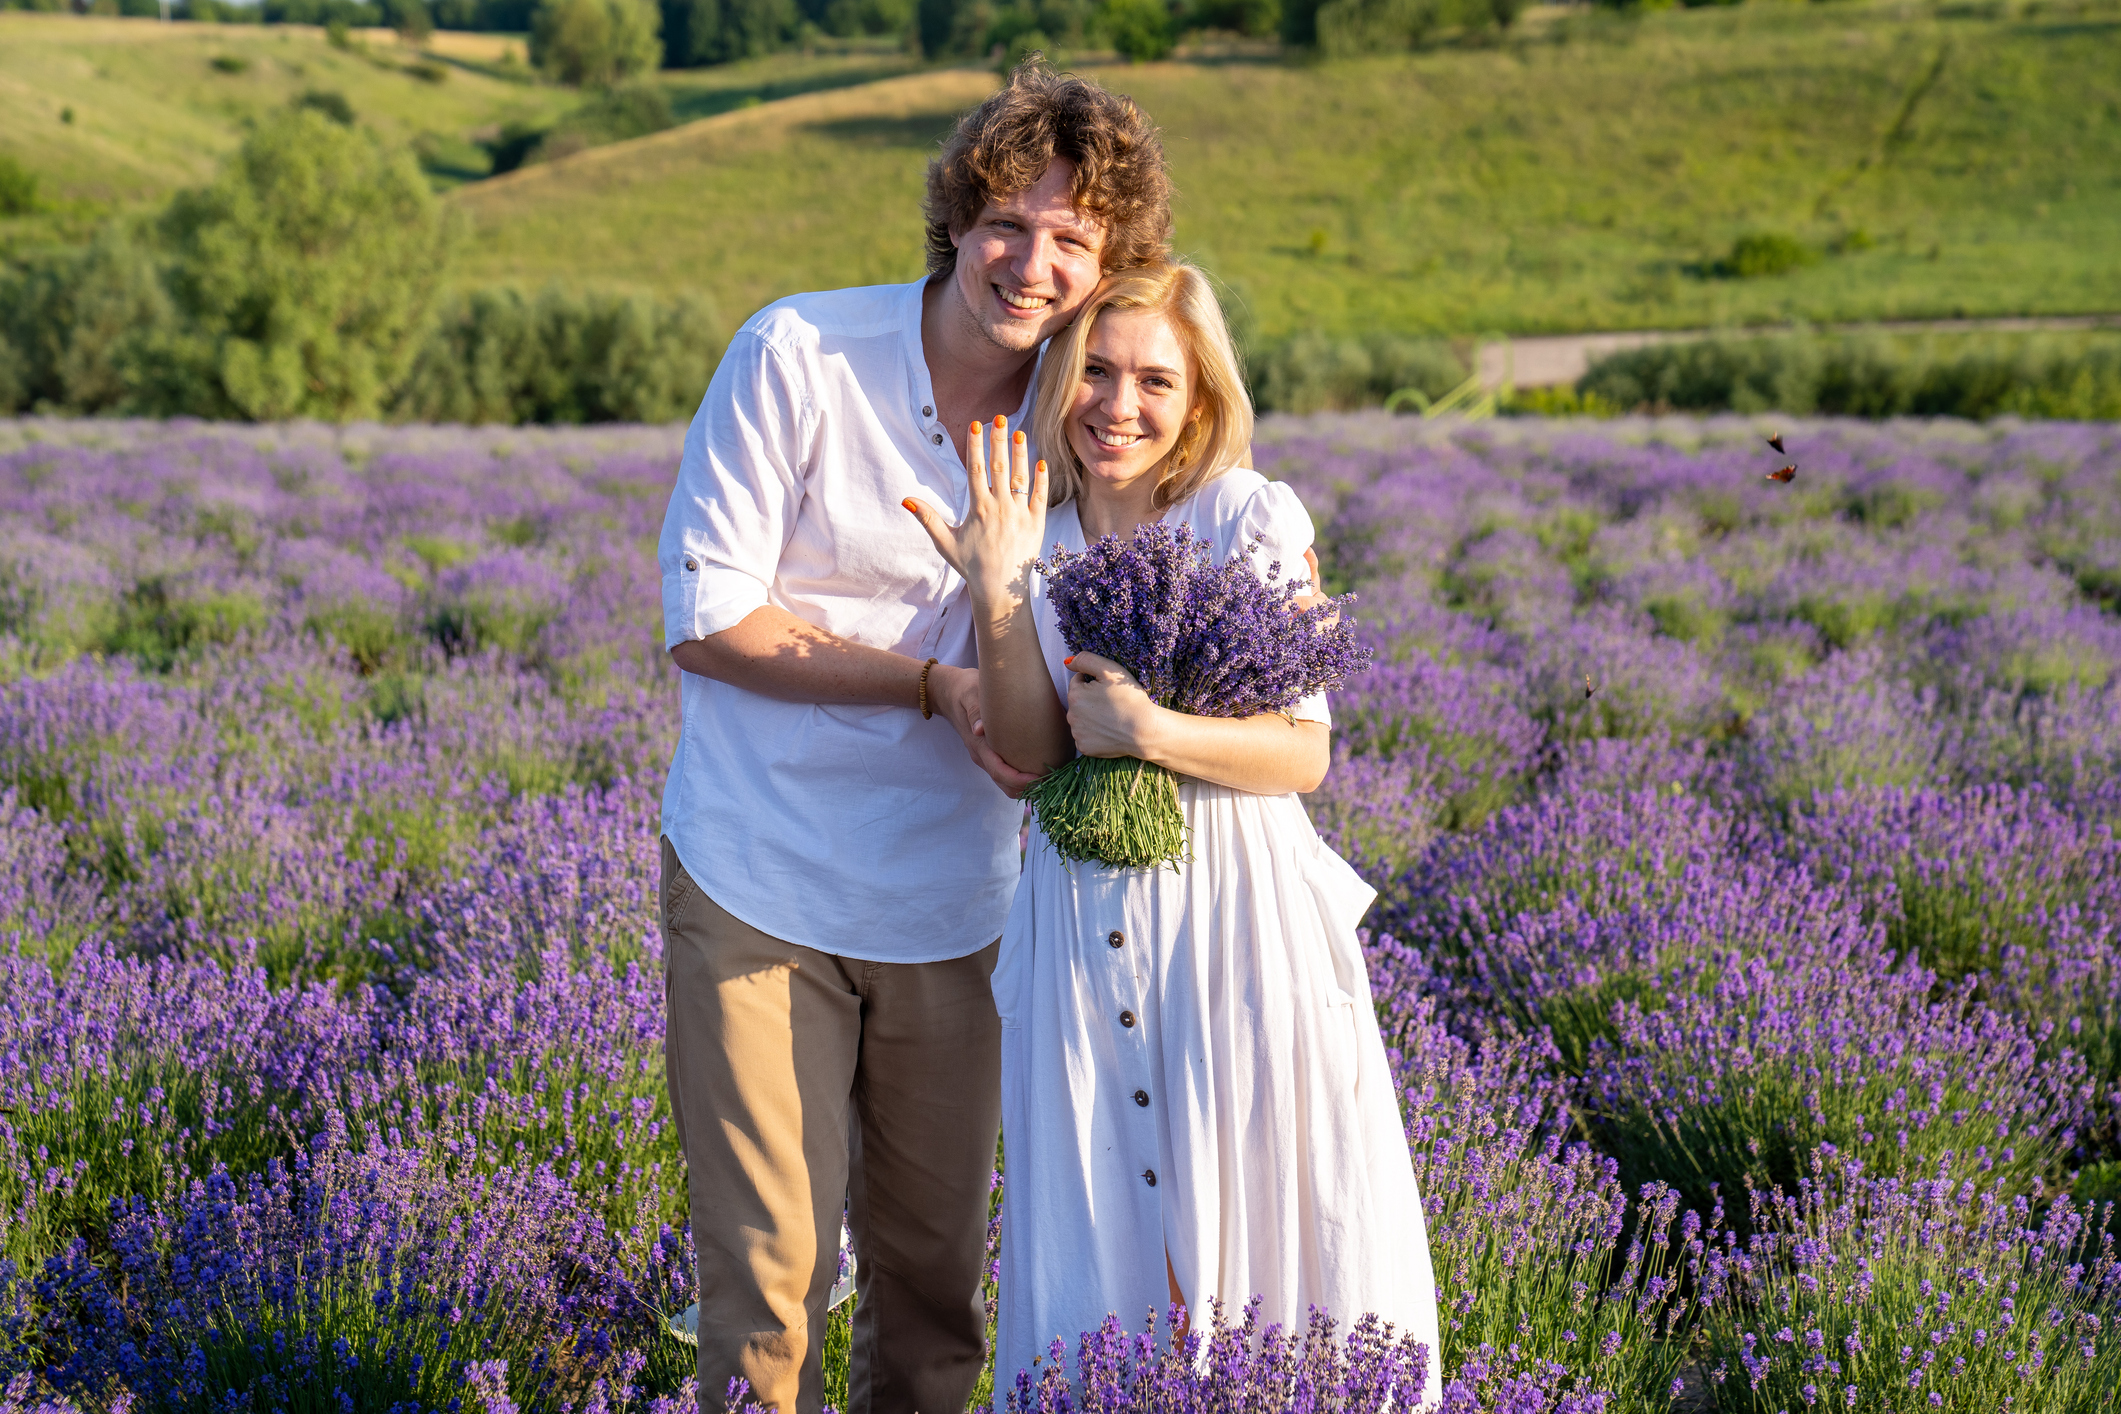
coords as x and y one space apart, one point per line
1126 1018
1149 1177
928 412
938 439
1141 1097
1116 938
691 563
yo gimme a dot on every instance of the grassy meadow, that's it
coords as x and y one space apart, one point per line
1589 174
111 114
1592 171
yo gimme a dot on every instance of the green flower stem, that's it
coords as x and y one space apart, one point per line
1118 811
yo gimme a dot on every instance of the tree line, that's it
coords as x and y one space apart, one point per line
309 280
629 36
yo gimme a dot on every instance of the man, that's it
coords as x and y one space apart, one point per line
836 868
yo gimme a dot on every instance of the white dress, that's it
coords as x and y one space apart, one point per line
1190 1060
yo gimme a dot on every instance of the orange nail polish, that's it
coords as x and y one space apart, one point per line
1068 662
1019 439
908 503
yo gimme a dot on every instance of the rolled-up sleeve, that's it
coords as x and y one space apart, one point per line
739 487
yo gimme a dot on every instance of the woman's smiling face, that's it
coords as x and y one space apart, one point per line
1135 398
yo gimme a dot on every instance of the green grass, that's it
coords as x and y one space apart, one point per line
1593 171
1597 172
156 107
151 111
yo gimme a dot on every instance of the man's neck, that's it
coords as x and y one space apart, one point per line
974 378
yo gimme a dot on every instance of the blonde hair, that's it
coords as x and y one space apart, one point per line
1217 439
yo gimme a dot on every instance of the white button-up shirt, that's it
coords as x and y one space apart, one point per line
861 831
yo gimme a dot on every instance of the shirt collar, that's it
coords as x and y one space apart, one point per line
918 384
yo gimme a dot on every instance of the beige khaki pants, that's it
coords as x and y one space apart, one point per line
800 1079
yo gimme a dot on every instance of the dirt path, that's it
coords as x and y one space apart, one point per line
1563 358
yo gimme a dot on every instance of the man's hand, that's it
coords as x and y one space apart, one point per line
954 693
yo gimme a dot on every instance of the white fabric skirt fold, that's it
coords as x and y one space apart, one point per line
1191 1067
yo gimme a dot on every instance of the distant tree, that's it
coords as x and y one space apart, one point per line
18 187
1141 30
1299 23
935 24
595 42
410 18
78 321
331 103
1255 18
304 278
852 17
717 31
1353 28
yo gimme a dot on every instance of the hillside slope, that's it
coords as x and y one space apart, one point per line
1589 177
151 112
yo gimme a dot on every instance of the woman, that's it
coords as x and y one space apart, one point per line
1195 1102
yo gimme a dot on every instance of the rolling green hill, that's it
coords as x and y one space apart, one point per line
1589 175
116 113
1594 171
111 112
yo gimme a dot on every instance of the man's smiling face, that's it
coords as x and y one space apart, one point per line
1028 263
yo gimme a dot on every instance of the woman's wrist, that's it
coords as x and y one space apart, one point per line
1153 731
995 599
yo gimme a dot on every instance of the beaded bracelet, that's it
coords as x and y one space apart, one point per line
926 710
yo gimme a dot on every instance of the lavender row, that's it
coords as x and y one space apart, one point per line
332 1013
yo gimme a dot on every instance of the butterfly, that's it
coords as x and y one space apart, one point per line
1783 475
1587 688
1775 441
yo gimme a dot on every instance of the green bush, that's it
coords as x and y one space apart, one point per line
331 103
500 356
1312 372
1141 30
1869 376
18 188
1765 253
595 42
1354 28
1256 19
628 111
77 325
410 18
719 31
304 278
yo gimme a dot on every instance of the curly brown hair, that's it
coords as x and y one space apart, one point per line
1005 145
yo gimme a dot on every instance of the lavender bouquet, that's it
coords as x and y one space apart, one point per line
1212 640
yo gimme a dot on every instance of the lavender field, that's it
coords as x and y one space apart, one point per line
1749 938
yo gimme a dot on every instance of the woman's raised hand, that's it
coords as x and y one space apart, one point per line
994 547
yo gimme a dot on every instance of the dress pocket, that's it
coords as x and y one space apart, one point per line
1343 897
1340 1041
